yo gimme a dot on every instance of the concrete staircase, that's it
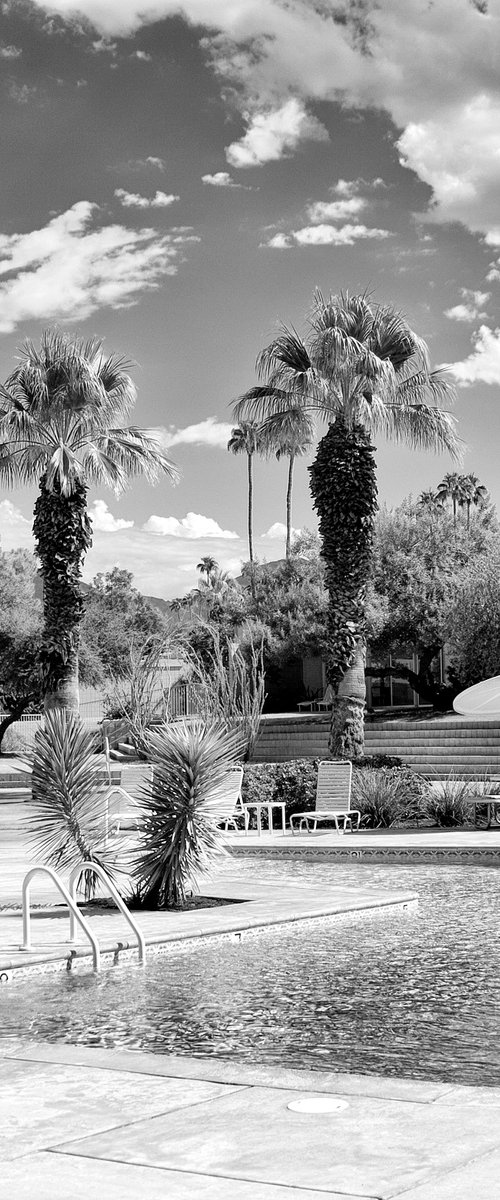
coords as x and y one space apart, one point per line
15 786
438 747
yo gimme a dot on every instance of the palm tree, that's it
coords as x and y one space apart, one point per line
452 488
430 501
364 371
247 438
474 492
294 438
61 426
207 566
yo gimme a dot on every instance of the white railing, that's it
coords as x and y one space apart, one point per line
94 868
75 914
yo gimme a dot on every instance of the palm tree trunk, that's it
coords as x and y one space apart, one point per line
289 506
250 524
344 493
62 536
347 728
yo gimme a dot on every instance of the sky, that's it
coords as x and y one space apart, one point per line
178 179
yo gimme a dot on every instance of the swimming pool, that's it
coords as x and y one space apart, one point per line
414 993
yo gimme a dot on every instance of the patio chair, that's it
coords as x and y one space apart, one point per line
333 799
319 704
226 804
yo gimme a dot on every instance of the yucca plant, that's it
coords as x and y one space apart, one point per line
66 823
179 835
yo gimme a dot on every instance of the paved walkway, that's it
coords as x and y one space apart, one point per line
77 1121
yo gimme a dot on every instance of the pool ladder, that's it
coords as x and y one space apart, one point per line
75 916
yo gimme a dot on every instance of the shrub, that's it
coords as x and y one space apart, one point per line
387 796
447 802
378 760
292 783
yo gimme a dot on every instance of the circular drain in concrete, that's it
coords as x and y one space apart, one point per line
318 1104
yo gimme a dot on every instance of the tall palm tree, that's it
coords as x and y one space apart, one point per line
247 438
474 492
293 439
363 371
61 425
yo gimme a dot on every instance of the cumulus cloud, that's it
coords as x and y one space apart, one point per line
272 134
321 213
133 200
10 52
326 235
431 67
209 432
470 309
221 179
277 532
104 521
11 518
483 365
336 210
192 526
72 267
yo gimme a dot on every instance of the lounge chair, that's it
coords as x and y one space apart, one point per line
333 799
226 804
123 804
319 704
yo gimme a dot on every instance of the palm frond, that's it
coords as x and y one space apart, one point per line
287 356
422 427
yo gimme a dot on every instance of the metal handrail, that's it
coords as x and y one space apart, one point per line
101 874
74 913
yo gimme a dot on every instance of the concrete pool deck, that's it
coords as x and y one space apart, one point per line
77 1120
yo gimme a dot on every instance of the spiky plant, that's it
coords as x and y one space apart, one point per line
179 836
66 822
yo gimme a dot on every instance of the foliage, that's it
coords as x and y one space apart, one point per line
66 822
345 497
419 566
387 796
61 426
474 626
62 532
20 629
228 686
141 691
292 783
116 615
447 802
179 838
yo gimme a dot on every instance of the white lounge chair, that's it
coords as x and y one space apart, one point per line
226 804
123 804
333 799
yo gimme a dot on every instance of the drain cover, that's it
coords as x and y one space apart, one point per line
318 1104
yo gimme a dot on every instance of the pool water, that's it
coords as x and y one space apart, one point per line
413 993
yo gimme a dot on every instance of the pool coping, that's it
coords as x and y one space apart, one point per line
260 908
